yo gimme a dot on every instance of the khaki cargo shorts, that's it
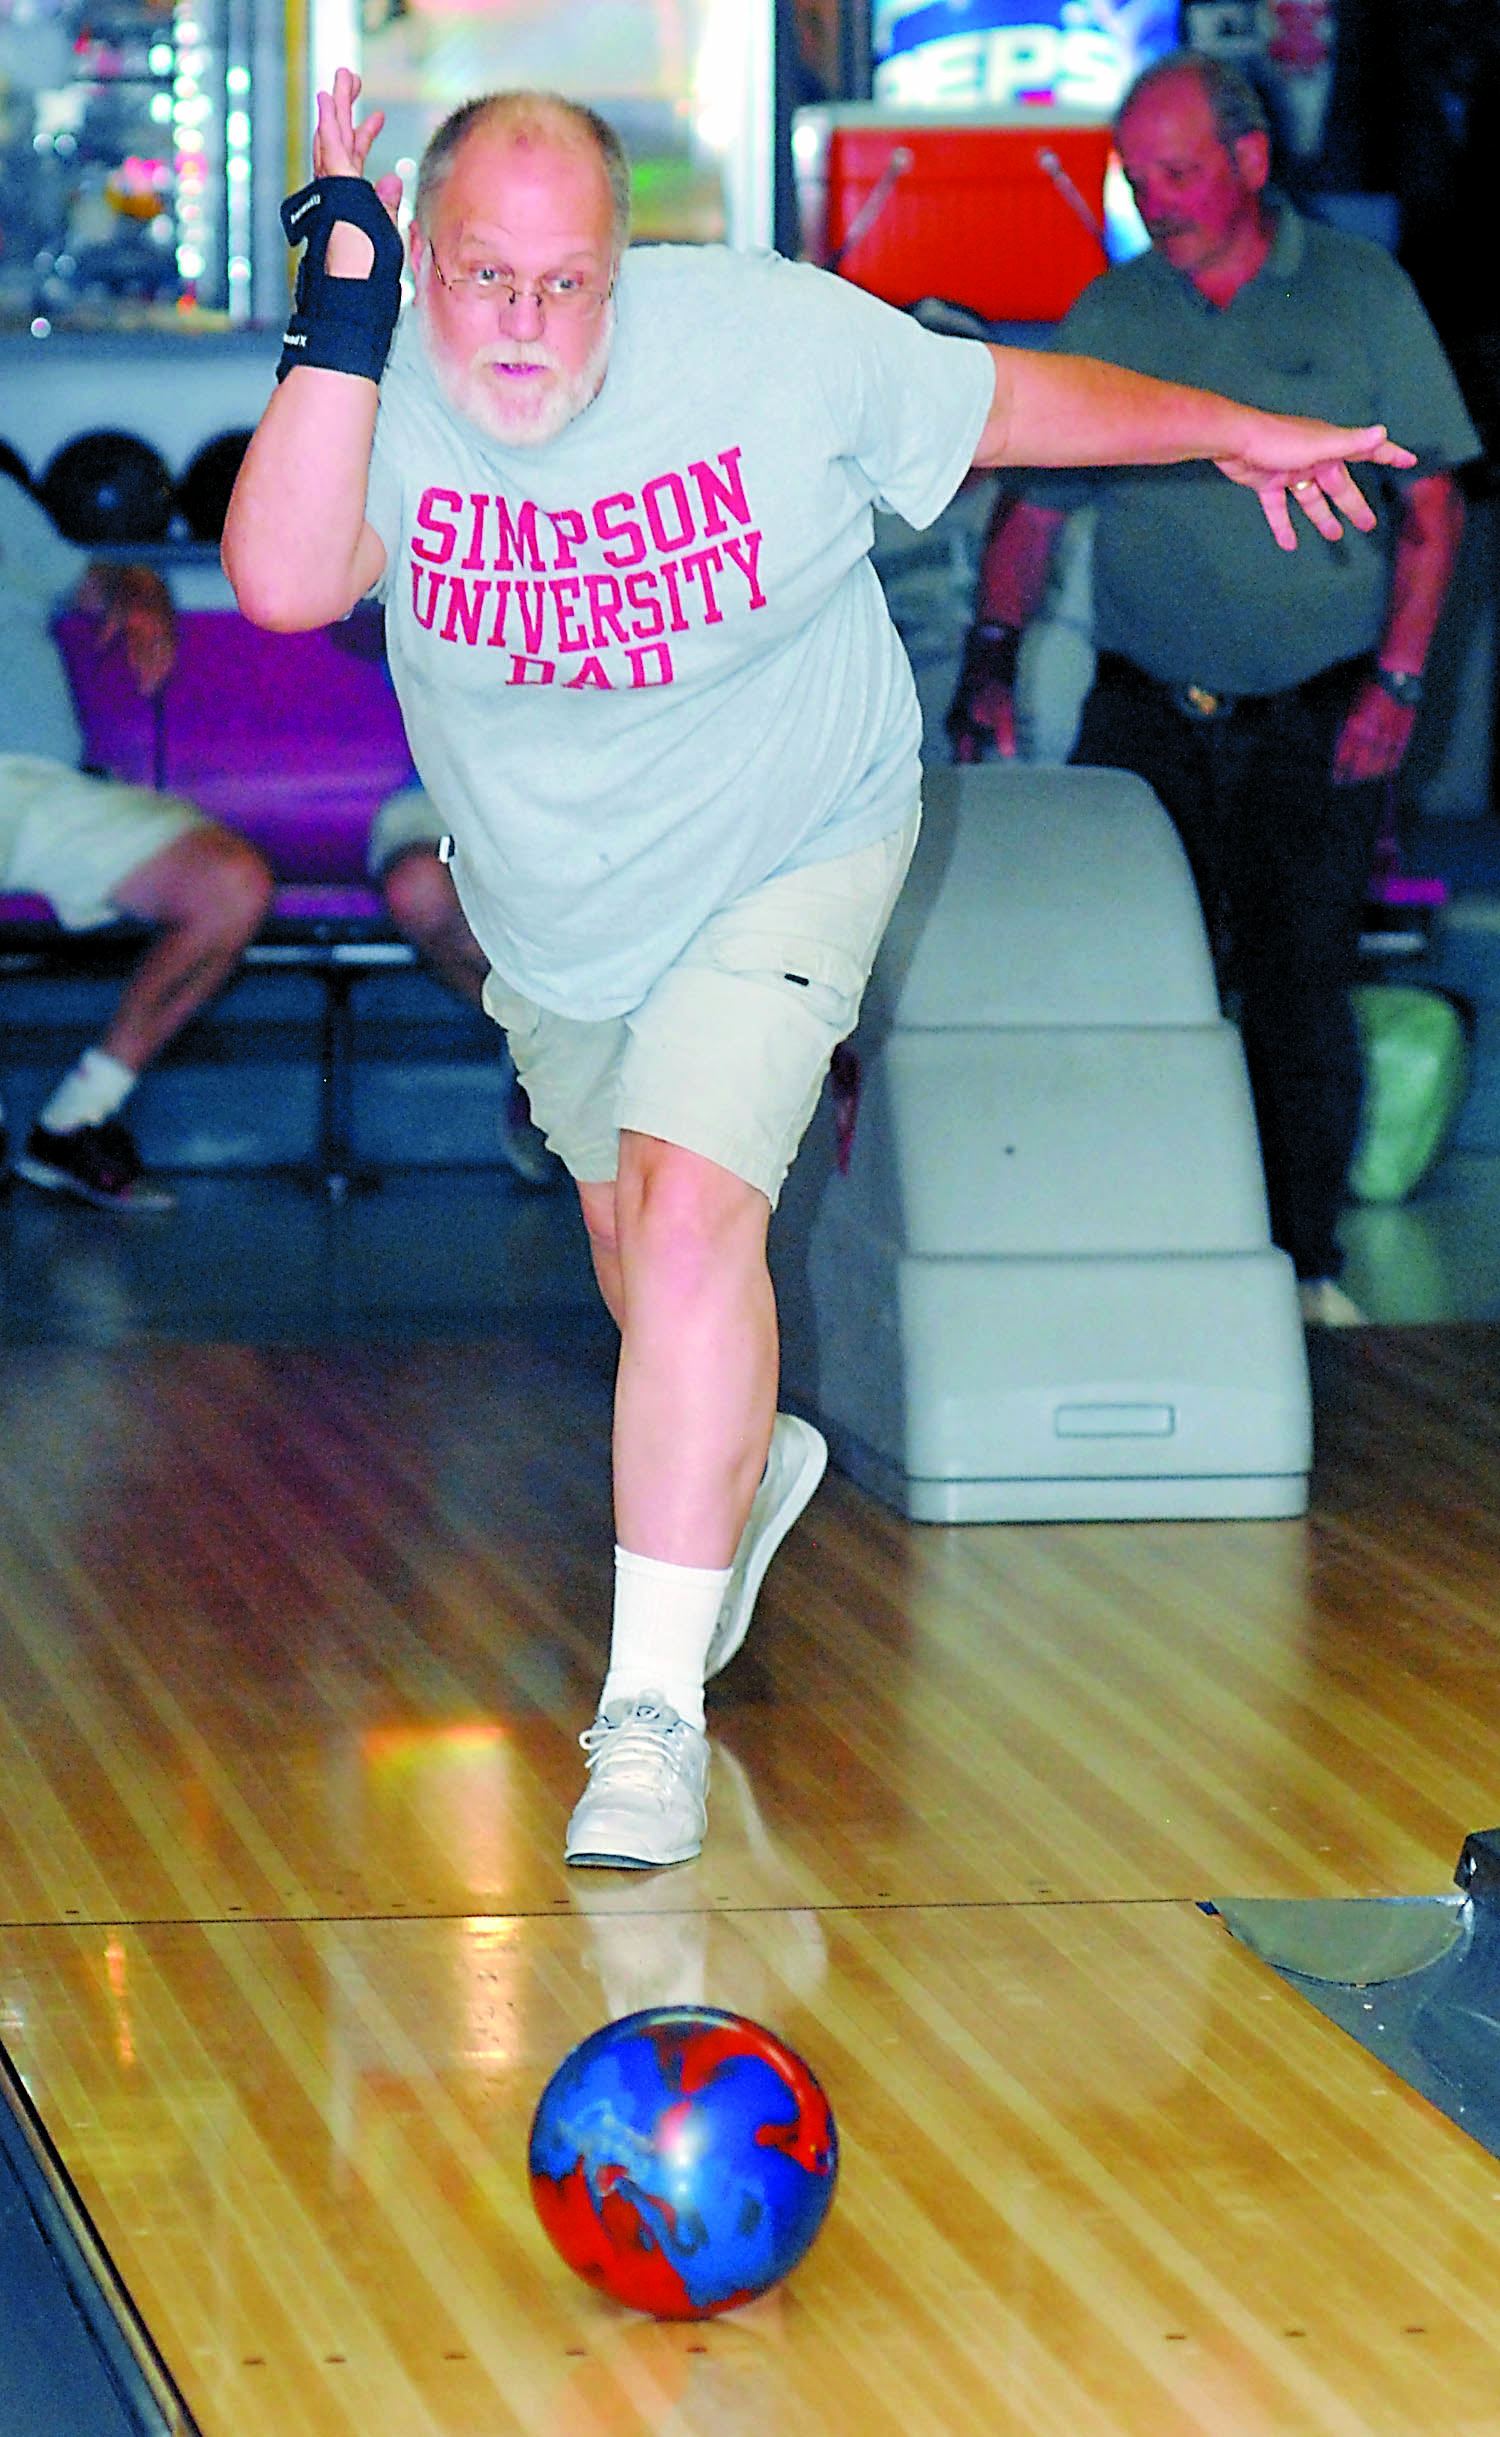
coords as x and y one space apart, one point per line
727 1053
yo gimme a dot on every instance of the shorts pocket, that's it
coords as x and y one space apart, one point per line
827 981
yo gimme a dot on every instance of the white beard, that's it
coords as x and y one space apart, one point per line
518 411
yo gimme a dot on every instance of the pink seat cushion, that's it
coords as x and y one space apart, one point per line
299 902
17 906
328 902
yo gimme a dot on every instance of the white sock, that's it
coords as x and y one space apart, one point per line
96 1087
664 1621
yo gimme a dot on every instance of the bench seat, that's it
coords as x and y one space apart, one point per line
292 740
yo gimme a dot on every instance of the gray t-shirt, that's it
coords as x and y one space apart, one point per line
1188 583
647 664
39 572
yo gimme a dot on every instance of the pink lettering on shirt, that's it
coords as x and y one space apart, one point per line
434 587
571 530
746 556
669 512
682 555
604 609
571 637
716 492
444 528
517 543
464 610
700 566
474 555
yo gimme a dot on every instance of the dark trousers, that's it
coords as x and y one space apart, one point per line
1282 859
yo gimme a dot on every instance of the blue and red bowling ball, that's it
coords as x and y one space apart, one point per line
682 2160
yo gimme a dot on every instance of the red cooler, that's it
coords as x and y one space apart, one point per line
1003 214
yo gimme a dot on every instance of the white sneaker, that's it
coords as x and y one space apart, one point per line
644 1805
794 1468
1326 1306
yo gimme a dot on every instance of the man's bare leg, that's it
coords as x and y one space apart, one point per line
207 895
679 1247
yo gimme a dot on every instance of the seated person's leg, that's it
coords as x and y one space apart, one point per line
206 894
97 850
403 859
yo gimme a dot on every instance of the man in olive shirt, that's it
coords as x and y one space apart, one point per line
1268 698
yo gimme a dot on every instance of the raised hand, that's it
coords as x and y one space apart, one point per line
341 147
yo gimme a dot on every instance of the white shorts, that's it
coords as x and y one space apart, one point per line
72 839
727 1053
404 820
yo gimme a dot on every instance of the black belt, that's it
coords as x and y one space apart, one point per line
1204 704
1201 703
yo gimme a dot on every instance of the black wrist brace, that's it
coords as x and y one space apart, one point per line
341 325
990 655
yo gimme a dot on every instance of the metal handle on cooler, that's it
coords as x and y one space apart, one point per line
874 204
1051 167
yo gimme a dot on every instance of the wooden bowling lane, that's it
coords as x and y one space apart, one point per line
294 1649
1102 2176
312 1634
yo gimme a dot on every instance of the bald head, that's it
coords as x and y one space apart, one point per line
1233 103
527 126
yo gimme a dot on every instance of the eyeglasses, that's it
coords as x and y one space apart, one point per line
560 292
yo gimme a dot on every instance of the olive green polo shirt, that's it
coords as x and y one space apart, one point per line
1188 582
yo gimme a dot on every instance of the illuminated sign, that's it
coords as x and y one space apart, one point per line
1004 54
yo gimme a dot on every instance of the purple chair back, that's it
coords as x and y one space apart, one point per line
294 740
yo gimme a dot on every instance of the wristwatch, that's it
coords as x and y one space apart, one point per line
1402 685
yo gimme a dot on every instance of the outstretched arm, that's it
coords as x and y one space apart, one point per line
297 548
1059 410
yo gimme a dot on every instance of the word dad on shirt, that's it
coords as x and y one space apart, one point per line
587 596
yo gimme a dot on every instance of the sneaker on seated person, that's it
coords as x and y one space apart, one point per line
98 1164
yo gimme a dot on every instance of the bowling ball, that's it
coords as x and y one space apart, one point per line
108 487
203 488
682 2160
